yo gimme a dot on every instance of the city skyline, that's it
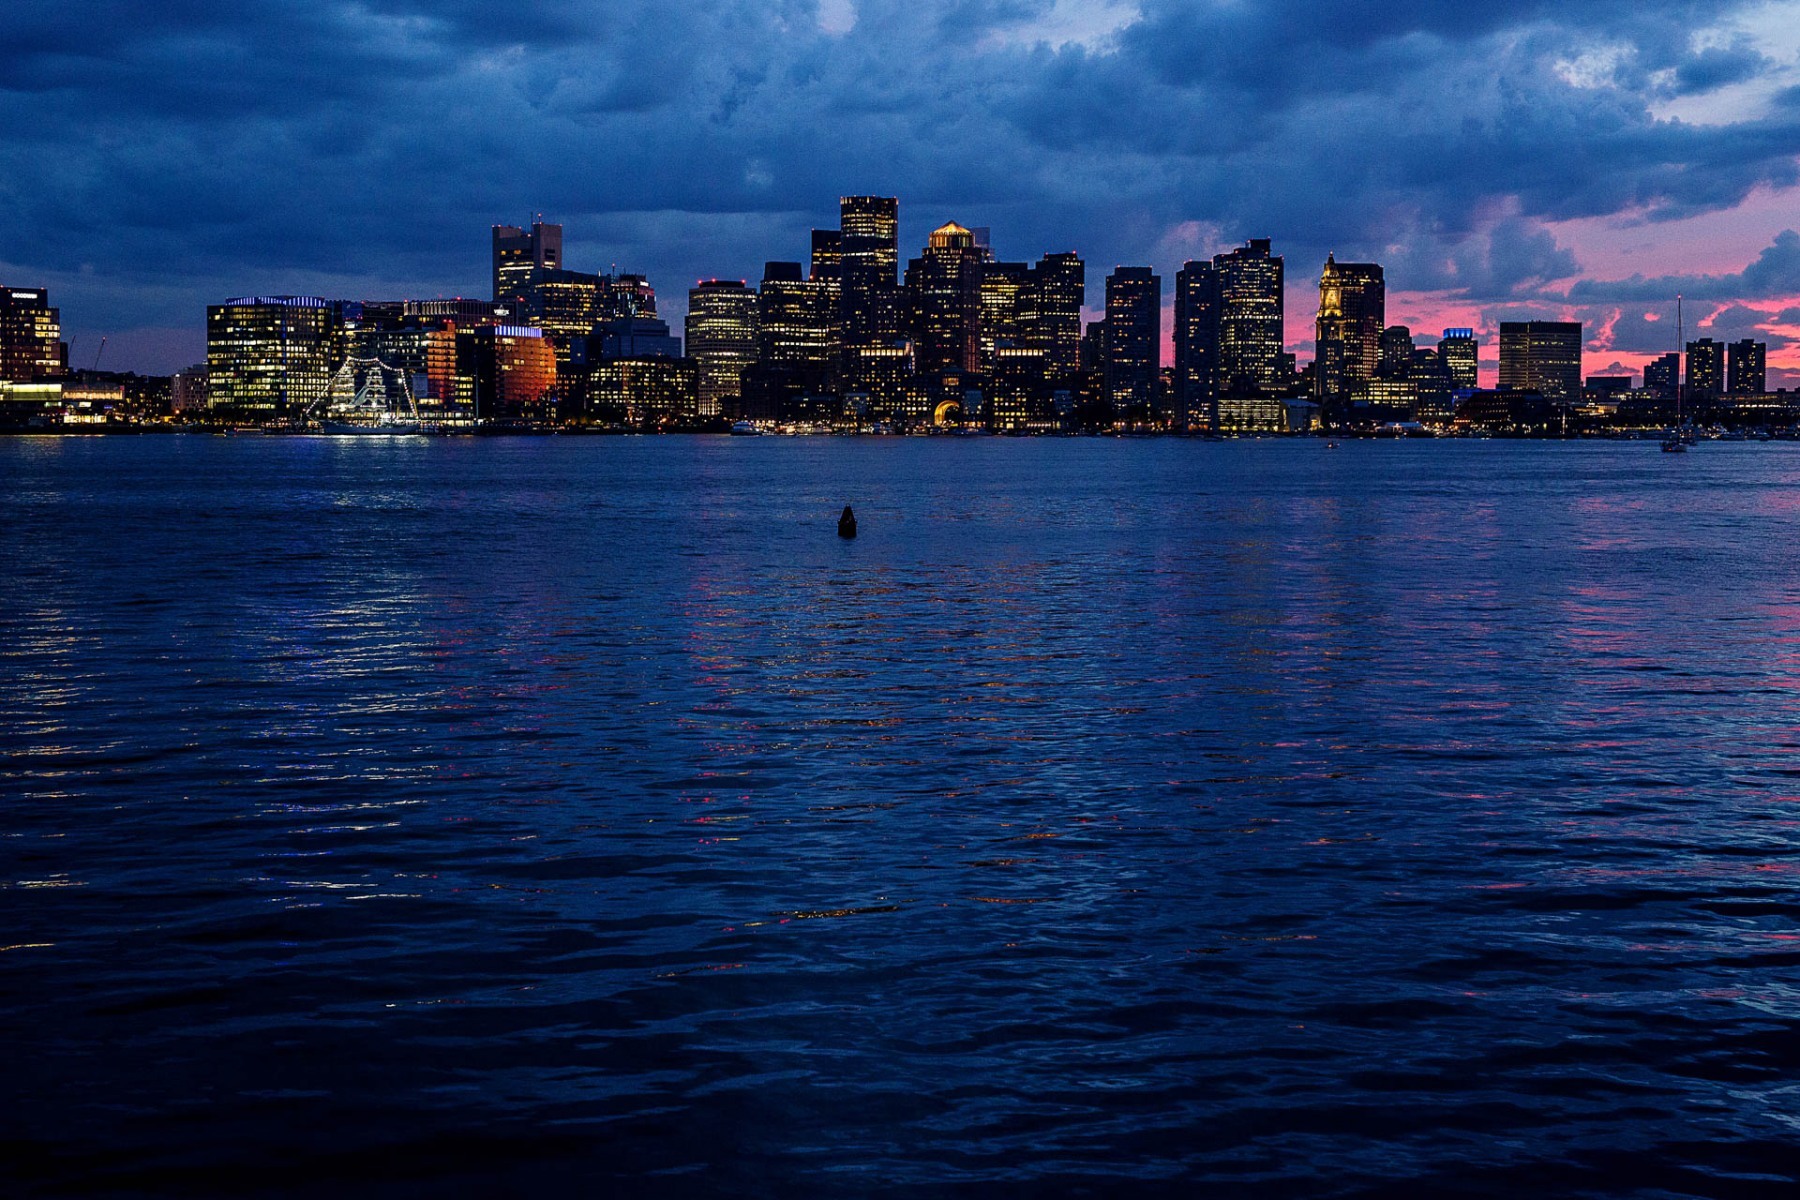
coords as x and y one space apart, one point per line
1502 163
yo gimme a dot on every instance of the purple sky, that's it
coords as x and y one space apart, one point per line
1503 160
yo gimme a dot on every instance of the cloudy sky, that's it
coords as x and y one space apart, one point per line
1579 160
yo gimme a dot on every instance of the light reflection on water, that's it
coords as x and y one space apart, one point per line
1112 814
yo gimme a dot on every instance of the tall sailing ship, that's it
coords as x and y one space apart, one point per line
362 400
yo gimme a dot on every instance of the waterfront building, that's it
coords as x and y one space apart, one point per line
943 301
1133 340
1460 353
1347 333
1018 396
271 356
1746 368
721 339
1705 368
643 391
882 374
187 390
1251 319
31 345
500 373
1541 356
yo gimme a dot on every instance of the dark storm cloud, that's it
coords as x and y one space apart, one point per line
201 148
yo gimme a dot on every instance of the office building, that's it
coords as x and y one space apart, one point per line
504 373
1053 305
1251 319
518 257
869 257
943 301
1543 357
1461 356
31 345
1005 308
643 391
796 328
1661 374
1352 315
1133 353
271 356
1746 368
1196 346
1396 352
721 339
1705 368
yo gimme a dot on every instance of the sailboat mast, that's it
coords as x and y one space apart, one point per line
1680 349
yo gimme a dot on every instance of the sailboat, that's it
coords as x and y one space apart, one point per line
1681 437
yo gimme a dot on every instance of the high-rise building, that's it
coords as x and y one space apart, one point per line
1352 314
1197 312
271 355
31 345
869 250
1053 305
1705 368
518 256
1746 368
1006 308
795 324
1461 356
827 255
1133 338
943 301
1660 375
1396 352
1251 325
721 339
1543 357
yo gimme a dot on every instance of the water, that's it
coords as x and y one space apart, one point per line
1118 818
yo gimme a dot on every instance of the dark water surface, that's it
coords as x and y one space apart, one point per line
1117 818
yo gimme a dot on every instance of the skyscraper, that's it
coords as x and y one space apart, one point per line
1396 352
1352 314
31 345
1197 311
869 250
1053 310
1746 367
1005 303
1133 338
519 256
943 299
1705 368
721 338
1251 327
1542 356
1461 355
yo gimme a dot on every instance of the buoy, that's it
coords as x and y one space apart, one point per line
847 523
